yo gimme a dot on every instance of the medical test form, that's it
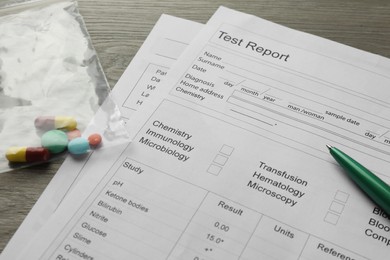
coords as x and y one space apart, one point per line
229 163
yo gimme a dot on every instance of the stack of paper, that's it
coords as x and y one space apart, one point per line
228 157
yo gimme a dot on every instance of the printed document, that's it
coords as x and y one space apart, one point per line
231 162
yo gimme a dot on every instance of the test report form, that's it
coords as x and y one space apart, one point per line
232 163
142 77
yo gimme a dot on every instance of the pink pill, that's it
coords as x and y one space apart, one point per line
73 134
94 140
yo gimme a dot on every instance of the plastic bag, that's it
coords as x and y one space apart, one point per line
48 67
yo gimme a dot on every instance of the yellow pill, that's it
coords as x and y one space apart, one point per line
66 123
27 154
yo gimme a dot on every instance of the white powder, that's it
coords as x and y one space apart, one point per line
47 67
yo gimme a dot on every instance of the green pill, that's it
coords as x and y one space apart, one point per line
55 141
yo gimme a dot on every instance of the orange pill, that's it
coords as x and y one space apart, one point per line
27 154
94 140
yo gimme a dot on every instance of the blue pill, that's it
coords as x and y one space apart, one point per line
79 145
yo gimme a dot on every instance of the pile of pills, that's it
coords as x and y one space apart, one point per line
61 134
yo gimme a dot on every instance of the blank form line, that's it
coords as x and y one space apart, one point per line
173 40
239 83
158 54
252 117
384 134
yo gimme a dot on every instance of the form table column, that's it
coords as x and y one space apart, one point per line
219 229
275 240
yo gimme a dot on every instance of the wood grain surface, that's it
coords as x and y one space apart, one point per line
119 27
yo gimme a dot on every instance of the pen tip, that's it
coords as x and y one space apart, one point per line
329 147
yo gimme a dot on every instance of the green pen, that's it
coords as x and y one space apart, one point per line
374 187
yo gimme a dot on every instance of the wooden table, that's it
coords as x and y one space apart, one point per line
118 29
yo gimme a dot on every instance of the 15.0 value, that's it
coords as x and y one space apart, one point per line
214 239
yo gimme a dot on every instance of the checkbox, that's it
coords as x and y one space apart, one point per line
336 207
331 218
214 169
341 196
220 159
226 149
